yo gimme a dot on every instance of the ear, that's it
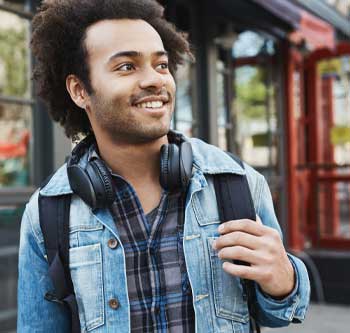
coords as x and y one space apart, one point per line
77 91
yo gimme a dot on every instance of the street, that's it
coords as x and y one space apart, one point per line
320 319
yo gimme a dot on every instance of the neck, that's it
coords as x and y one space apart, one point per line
137 163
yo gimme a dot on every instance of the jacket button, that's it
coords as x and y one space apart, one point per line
112 243
114 304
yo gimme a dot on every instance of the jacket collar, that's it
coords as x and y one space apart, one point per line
212 160
206 158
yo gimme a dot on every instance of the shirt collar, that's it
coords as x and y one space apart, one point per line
206 158
173 137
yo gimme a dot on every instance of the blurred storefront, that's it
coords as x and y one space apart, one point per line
271 83
30 146
16 128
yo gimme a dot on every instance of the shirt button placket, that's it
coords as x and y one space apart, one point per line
157 310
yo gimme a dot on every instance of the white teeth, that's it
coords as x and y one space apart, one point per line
151 105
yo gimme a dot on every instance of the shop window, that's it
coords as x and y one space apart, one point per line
184 118
15 149
14 56
334 144
15 124
254 101
256 116
335 99
15 102
252 44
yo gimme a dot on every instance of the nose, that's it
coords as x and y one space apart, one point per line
150 78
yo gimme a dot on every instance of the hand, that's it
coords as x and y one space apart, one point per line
262 248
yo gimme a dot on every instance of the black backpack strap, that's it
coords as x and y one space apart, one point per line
235 202
54 223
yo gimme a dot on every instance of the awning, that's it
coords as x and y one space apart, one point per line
305 27
284 10
327 13
315 32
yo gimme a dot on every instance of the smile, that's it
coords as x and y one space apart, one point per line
151 105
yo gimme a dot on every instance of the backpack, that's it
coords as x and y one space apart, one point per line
234 202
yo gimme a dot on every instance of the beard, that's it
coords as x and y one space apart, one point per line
121 122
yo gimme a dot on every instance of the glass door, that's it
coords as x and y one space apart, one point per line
329 87
255 113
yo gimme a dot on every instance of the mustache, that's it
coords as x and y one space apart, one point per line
163 93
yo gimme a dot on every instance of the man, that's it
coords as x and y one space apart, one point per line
156 262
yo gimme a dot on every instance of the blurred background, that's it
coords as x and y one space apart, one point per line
271 84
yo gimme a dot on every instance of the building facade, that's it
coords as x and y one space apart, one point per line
271 83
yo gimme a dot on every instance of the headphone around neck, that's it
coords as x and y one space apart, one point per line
94 185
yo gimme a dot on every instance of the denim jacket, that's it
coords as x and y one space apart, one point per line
98 272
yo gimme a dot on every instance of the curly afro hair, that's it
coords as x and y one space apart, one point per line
58 44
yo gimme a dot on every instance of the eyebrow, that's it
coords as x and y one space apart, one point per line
134 54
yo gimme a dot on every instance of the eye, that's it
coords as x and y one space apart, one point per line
163 66
126 67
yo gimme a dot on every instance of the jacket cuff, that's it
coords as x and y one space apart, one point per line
293 307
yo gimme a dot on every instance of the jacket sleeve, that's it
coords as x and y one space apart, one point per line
35 314
278 313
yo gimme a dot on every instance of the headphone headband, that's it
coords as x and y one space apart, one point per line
80 149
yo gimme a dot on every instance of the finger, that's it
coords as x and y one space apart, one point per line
237 238
239 253
247 226
244 272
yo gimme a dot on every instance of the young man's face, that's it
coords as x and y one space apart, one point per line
134 92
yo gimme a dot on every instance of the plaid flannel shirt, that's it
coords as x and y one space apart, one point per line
159 291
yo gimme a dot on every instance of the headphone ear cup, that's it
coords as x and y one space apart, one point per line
170 167
81 184
102 183
174 167
185 163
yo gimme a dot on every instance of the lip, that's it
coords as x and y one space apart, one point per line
147 99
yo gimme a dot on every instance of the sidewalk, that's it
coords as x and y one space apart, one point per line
320 319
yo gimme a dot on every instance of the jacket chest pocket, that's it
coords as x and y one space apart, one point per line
227 289
85 264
